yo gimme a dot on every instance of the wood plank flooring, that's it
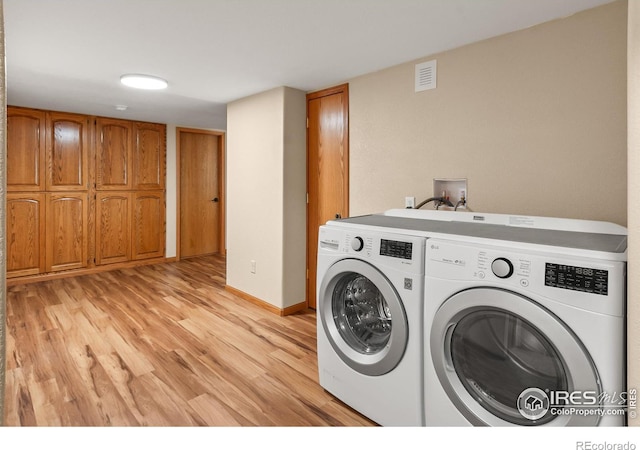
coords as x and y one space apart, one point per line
161 345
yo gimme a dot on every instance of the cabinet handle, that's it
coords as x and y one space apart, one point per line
215 200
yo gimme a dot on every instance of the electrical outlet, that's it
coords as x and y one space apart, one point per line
253 266
409 202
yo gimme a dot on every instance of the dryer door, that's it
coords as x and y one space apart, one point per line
363 317
505 360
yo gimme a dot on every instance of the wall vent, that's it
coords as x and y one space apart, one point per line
426 76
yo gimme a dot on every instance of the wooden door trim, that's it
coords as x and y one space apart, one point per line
344 89
221 184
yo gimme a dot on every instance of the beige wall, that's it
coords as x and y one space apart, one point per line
266 186
535 120
633 273
171 194
294 231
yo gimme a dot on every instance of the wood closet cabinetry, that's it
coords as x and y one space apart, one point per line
47 191
75 184
25 209
130 182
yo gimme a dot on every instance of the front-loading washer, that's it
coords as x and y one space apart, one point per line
528 331
369 322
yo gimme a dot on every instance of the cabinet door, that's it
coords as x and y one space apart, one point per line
149 155
148 225
25 234
67 152
113 154
25 150
67 240
113 230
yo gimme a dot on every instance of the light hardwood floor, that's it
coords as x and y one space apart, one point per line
161 345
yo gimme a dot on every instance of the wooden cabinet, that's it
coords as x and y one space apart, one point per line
83 191
46 232
148 224
130 223
113 227
67 152
25 222
48 180
66 231
149 156
130 226
130 155
113 154
26 161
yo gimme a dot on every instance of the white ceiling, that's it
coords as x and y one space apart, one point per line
68 55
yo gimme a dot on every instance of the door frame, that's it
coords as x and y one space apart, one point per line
344 89
221 185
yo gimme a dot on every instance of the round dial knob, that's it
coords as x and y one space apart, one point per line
502 267
357 243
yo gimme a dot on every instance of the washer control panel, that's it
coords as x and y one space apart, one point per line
391 250
388 247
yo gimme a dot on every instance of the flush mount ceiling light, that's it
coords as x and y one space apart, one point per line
139 81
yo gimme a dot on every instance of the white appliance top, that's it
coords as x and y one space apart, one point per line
593 238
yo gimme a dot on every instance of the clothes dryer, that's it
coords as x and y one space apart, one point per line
526 331
369 321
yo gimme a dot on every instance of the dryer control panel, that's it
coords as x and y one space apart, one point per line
583 279
587 283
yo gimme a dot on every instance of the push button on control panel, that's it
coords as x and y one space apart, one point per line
502 267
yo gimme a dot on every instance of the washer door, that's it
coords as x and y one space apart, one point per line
363 317
495 350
